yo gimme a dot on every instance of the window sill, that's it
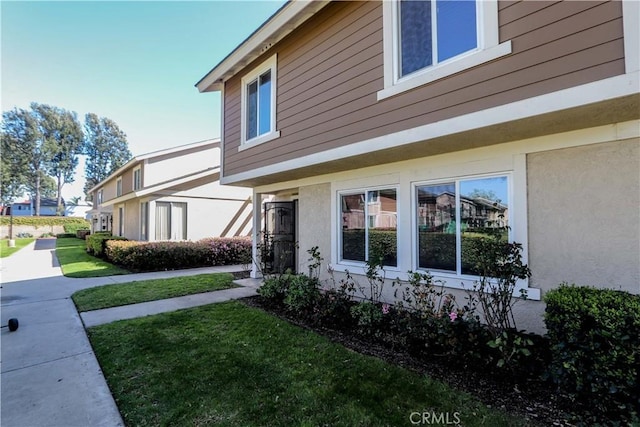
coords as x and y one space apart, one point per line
446 69
245 145
450 280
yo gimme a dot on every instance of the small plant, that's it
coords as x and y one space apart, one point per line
512 348
24 235
499 264
302 294
368 316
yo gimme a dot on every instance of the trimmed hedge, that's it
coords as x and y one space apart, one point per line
73 227
96 243
595 343
44 221
158 256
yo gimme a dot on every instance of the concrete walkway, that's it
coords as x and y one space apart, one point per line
48 372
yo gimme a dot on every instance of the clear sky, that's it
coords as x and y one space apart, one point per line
135 62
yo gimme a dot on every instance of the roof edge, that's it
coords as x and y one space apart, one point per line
286 19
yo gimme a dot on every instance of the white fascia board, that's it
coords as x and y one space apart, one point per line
602 90
288 18
159 187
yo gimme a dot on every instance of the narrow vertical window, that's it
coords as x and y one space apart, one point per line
436 227
258 109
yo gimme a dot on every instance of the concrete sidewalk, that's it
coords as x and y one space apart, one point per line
48 372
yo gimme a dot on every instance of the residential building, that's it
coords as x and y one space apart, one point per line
48 207
434 121
171 194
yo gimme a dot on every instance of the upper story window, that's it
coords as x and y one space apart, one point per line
99 197
119 187
433 31
426 40
137 179
259 104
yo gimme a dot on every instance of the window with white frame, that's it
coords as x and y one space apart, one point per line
425 40
119 187
137 179
144 221
369 220
451 214
258 105
99 197
171 221
121 221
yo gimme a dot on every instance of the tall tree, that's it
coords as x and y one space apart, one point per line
63 140
12 173
106 148
26 147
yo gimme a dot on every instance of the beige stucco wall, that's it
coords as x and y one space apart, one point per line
584 216
314 226
132 220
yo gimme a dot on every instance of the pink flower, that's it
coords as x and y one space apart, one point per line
453 316
385 308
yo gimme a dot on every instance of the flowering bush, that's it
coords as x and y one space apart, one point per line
157 256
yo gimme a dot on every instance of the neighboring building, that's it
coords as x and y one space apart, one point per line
523 114
172 194
48 207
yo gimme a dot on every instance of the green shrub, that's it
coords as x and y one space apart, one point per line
274 288
302 295
158 256
595 348
73 227
65 235
43 221
96 243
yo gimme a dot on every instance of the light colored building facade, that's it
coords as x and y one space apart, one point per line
172 194
523 114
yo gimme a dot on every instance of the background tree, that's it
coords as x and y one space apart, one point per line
106 148
12 178
63 139
26 148
47 188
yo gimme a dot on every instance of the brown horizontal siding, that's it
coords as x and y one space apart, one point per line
330 71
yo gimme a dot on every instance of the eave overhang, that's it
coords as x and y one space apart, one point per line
284 21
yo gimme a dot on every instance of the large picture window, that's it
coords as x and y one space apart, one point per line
369 226
259 103
451 214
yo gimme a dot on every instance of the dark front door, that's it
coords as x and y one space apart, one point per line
279 253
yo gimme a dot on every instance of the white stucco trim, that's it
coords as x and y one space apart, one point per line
602 90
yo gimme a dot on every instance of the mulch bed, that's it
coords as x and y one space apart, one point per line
533 399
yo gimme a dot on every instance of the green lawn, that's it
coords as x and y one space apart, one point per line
6 251
231 365
76 262
149 290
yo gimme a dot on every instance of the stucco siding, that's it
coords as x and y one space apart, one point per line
330 70
584 216
314 213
